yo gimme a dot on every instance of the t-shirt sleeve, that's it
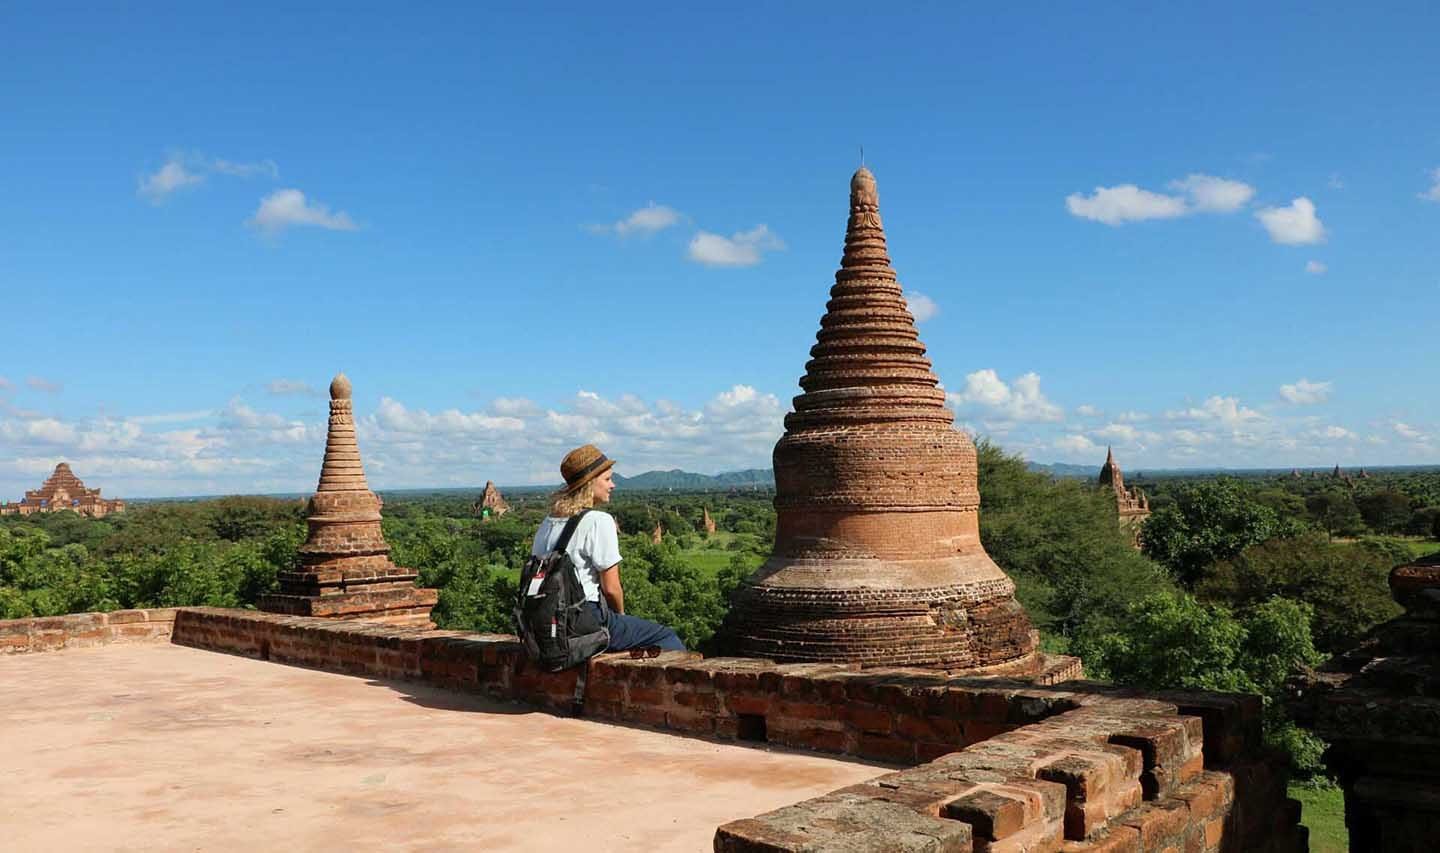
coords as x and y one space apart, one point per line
604 543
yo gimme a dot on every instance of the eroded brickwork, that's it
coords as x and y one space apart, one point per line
877 554
1379 707
344 569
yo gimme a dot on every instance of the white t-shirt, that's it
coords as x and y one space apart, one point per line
594 548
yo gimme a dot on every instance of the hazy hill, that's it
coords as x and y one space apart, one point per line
753 478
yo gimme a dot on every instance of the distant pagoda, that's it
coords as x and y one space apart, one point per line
877 556
344 570
491 504
63 491
1131 504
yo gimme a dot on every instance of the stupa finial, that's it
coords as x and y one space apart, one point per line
340 387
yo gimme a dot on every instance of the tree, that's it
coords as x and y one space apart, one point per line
1335 511
1343 584
1172 640
1209 521
1061 542
1385 512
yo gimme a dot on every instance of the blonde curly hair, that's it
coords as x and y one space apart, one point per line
566 503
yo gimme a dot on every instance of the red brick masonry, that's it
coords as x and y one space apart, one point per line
81 630
993 764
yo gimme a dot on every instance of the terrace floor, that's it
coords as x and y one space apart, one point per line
162 747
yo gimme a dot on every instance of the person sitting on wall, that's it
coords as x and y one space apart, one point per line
595 549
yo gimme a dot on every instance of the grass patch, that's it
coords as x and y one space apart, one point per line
1323 811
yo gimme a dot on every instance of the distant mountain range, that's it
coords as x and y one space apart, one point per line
753 478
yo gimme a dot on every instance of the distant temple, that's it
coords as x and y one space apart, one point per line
1131 504
491 504
708 522
658 534
63 491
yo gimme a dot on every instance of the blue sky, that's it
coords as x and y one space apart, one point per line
1207 237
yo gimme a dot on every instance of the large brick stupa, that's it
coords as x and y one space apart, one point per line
344 568
877 556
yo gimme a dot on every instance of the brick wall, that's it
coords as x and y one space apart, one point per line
989 763
79 630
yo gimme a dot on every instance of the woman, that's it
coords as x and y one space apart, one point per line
595 549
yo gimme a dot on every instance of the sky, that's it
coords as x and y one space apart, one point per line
1207 237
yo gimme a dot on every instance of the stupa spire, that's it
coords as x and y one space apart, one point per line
877 547
342 469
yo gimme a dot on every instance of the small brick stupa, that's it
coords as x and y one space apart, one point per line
877 548
344 570
708 523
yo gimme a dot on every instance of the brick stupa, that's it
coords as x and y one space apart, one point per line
344 569
877 556
492 504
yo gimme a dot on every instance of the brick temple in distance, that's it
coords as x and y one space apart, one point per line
63 491
1131 504
344 566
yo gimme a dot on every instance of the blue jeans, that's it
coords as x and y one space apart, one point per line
632 632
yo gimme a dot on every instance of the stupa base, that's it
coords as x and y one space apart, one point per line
408 606
879 627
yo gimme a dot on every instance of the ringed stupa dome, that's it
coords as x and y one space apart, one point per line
877 555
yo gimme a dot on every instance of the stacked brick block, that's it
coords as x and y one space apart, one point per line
344 569
877 556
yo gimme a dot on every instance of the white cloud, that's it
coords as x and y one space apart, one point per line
37 383
921 307
1433 194
1122 432
169 178
1304 392
1124 203
189 169
1132 417
743 249
291 387
1075 444
1210 194
284 208
1293 225
5 384
1023 401
1316 268
516 407
1087 410
170 417
647 220
392 415
1409 433
1334 432
1226 410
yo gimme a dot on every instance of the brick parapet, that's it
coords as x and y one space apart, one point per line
988 763
82 630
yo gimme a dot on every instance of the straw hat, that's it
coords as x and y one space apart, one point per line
582 465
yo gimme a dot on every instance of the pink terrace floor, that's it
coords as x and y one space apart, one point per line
159 747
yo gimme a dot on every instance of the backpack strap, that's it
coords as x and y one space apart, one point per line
569 531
